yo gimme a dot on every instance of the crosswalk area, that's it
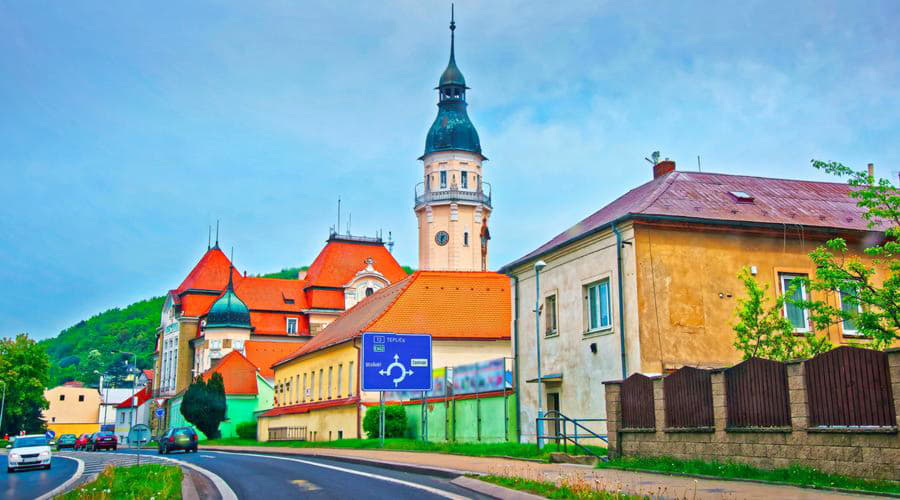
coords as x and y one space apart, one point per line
96 461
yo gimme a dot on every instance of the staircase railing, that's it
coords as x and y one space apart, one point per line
563 424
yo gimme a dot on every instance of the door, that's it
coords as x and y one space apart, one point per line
553 406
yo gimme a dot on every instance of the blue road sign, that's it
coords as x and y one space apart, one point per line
159 412
50 435
396 362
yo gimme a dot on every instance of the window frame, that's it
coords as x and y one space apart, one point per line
845 332
464 179
586 294
804 294
443 179
287 325
554 296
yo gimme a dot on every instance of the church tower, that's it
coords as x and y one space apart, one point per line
453 203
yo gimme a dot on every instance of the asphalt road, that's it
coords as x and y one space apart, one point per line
33 483
274 477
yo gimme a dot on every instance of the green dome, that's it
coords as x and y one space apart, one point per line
228 311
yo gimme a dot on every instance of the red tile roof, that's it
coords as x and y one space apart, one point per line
264 353
340 260
210 273
143 396
238 373
307 407
444 304
706 196
271 294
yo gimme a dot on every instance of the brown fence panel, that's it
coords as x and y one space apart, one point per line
850 387
688 398
756 394
637 403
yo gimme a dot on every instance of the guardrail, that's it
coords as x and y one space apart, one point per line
287 434
453 195
561 424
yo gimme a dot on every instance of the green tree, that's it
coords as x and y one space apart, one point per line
763 331
24 370
869 307
204 405
394 422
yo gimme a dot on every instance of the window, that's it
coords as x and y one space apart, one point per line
292 326
304 387
62 397
599 309
550 315
369 291
443 179
350 379
238 345
312 384
81 398
464 180
287 392
849 305
215 345
329 382
340 376
297 389
798 316
321 376
466 239
122 418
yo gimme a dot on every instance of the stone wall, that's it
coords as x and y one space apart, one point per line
873 454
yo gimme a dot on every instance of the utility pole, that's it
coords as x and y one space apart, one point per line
2 405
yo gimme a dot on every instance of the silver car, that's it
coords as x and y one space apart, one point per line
28 452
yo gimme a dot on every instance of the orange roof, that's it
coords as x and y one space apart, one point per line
194 304
326 299
340 260
271 294
210 273
238 373
269 323
264 353
444 304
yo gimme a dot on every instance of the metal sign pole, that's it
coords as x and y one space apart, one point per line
381 417
424 416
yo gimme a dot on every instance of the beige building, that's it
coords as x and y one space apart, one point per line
74 409
649 282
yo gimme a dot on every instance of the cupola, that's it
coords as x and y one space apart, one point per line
228 311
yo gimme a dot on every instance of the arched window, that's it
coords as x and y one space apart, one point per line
466 239
369 291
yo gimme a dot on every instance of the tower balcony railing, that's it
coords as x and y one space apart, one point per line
453 194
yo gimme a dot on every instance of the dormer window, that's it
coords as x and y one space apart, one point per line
741 197
292 326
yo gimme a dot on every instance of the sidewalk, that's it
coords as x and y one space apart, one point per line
630 482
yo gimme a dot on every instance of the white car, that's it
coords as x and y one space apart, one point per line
27 452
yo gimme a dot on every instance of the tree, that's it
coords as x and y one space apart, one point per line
763 331
24 369
204 405
394 422
870 307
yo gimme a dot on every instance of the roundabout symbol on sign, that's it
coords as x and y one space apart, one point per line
403 371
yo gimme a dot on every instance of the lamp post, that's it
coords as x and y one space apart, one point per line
104 397
133 381
538 266
2 405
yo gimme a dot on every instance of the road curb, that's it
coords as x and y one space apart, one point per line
68 483
188 490
493 490
225 491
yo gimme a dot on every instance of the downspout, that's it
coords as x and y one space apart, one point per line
621 301
358 391
516 358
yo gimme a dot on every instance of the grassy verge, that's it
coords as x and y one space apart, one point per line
161 482
581 491
795 474
518 450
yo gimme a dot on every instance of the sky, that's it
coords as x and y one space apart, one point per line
127 128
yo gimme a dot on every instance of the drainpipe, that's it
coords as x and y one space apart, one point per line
358 391
516 358
621 300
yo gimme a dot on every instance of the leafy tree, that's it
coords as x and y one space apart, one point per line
204 405
24 369
871 307
763 331
394 421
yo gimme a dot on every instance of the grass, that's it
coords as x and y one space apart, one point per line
581 490
156 482
517 450
795 474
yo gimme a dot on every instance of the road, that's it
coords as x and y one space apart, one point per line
273 477
34 482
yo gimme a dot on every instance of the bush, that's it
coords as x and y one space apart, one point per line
246 430
394 422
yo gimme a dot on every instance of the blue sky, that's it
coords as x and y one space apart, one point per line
126 128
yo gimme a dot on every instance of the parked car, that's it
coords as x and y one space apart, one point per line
82 442
29 451
178 438
103 441
66 441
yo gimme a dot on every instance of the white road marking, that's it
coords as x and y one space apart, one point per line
433 491
305 485
69 482
207 456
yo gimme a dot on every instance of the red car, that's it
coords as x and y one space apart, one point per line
82 442
103 440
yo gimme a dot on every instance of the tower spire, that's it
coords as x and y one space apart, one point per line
452 30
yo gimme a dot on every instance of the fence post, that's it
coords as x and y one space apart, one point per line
505 413
446 406
477 407
424 417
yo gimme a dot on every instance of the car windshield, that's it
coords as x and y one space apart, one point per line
23 442
184 432
103 434
67 436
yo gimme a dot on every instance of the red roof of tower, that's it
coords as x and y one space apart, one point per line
210 273
340 260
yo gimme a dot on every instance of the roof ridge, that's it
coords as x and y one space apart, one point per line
762 177
658 191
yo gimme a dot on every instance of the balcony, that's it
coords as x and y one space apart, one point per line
451 195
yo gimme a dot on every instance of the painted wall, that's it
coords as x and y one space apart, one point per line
339 360
458 420
77 429
338 422
70 412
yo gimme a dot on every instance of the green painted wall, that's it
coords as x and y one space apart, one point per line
240 409
459 420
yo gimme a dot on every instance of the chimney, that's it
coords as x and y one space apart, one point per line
662 168
871 170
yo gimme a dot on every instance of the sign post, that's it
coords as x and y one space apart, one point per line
139 434
395 362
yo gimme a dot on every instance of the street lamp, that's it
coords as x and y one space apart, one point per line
2 404
103 399
133 381
538 267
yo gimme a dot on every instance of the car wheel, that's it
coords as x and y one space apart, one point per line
10 470
47 467
114 448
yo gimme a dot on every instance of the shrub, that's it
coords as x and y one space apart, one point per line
394 422
246 430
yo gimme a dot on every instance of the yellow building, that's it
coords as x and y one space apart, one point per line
649 282
74 409
317 394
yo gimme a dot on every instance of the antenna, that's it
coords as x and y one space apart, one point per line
349 221
390 243
217 233
698 164
208 237
655 158
339 216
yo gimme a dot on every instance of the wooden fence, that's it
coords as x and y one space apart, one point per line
850 387
637 402
688 399
756 394
287 434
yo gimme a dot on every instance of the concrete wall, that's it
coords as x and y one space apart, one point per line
458 420
70 413
322 425
861 453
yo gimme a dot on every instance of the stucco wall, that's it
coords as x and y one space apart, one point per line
322 425
569 351
337 358
187 332
70 410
